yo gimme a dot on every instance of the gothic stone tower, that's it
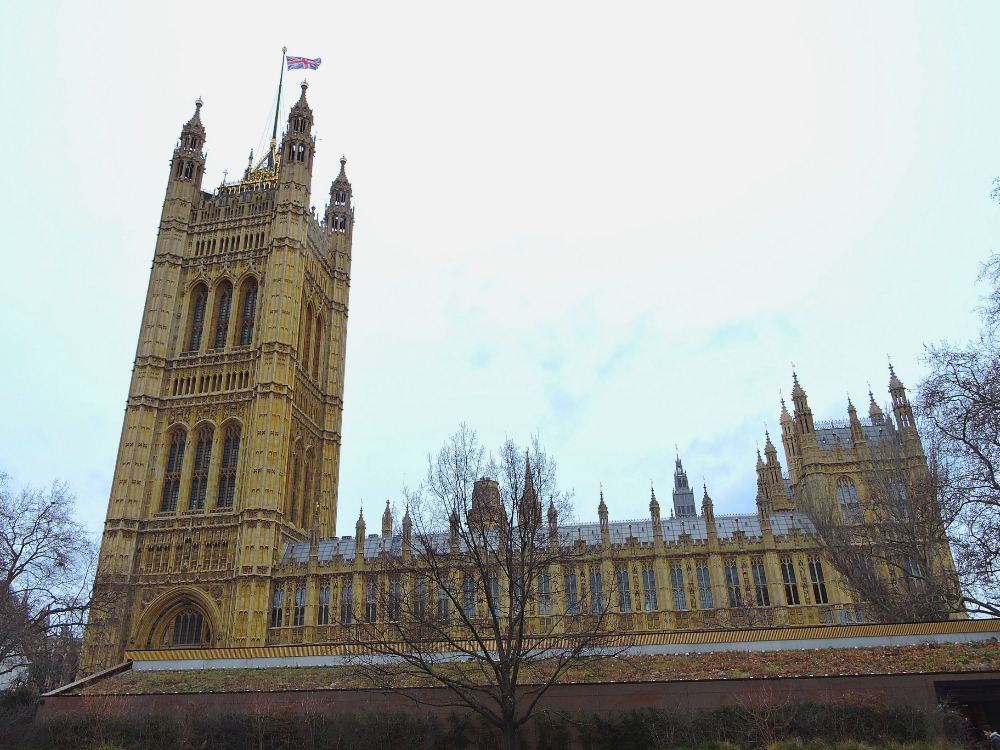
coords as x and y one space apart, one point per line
230 446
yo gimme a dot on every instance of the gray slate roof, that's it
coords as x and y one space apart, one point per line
749 524
840 432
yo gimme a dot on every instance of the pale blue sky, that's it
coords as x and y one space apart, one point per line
614 224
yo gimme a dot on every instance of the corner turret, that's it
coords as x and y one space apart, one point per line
297 150
803 414
187 168
900 404
339 214
188 162
771 495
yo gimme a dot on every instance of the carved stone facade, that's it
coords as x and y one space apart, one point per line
223 508
691 571
230 446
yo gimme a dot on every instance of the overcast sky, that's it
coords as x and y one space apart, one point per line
616 225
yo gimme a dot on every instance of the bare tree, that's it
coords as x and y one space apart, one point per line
46 560
484 595
960 401
890 544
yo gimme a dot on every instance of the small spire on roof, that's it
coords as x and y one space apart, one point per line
894 382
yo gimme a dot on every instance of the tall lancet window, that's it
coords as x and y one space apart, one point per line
227 471
317 347
308 338
198 303
172 478
223 305
307 491
199 478
248 312
293 500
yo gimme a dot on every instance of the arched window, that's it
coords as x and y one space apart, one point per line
249 312
227 472
199 478
198 302
299 609
318 346
277 606
307 341
847 494
223 304
172 478
189 629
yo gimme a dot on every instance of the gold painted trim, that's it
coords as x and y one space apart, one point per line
826 632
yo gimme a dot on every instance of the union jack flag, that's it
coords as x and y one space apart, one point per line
303 63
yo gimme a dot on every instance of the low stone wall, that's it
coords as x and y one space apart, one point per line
920 691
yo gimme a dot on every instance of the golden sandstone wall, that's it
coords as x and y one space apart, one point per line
223 507
231 439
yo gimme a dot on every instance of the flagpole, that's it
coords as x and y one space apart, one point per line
277 107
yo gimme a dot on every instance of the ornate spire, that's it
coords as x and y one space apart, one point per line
874 410
768 445
796 388
302 103
900 404
359 534
194 125
803 414
707 507
407 525
894 382
683 495
339 215
529 509
654 506
188 163
387 520
785 416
